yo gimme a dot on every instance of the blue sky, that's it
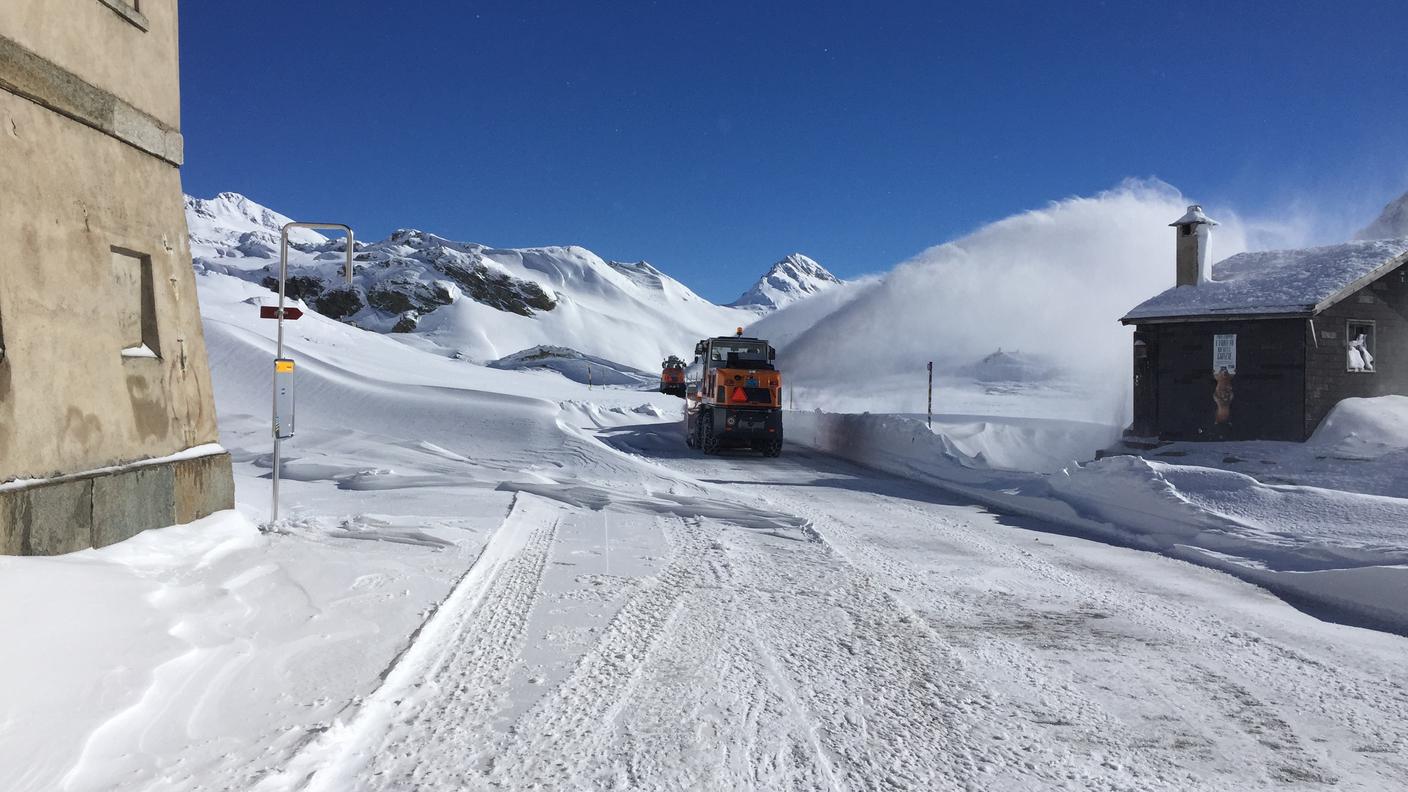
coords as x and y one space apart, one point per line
713 138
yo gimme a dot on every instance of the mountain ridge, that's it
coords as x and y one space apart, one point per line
1392 222
474 301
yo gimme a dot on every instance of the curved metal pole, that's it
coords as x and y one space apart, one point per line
283 283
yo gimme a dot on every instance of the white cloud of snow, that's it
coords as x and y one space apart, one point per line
1051 282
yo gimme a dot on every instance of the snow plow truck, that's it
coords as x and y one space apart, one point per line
733 396
672 376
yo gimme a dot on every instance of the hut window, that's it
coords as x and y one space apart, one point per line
1361 349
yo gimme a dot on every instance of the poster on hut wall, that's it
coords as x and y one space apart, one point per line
1224 353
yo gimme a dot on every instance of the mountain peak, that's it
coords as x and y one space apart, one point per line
793 278
233 212
1392 223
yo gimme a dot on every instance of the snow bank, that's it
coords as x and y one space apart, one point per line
1365 428
1344 554
1279 526
969 442
181 655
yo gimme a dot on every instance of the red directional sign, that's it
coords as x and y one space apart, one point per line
272 312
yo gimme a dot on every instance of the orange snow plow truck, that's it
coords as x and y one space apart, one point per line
672 376
733 396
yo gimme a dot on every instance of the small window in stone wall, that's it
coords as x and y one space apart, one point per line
1361 349
134 296
130 10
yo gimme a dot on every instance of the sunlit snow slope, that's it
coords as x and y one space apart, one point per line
481 302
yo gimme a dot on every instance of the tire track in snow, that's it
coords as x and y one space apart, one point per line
337 760
447 727
716 716
1041 710
1260 689
872 680
1032 637
557 743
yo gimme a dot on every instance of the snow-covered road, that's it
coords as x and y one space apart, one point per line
806 624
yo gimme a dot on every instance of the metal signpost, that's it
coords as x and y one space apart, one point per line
931 395
284 367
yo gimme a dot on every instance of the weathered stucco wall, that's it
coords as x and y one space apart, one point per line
105 48
102 355
69 399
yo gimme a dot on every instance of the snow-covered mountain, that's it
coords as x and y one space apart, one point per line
477 302
1392 223
794 278
234 222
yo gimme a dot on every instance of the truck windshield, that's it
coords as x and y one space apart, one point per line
739 353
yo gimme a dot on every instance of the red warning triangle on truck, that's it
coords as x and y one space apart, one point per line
738 395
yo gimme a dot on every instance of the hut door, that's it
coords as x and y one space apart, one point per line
1146 390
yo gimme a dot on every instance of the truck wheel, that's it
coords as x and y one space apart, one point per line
707 440
773 448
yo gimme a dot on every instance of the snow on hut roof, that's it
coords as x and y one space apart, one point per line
1276 281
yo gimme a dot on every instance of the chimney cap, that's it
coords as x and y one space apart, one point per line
1194 216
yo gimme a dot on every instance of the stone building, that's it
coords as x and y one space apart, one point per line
107 422
1260 346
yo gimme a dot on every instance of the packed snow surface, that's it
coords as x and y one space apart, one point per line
1276 281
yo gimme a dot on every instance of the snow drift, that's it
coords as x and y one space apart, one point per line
575 366
1343 553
